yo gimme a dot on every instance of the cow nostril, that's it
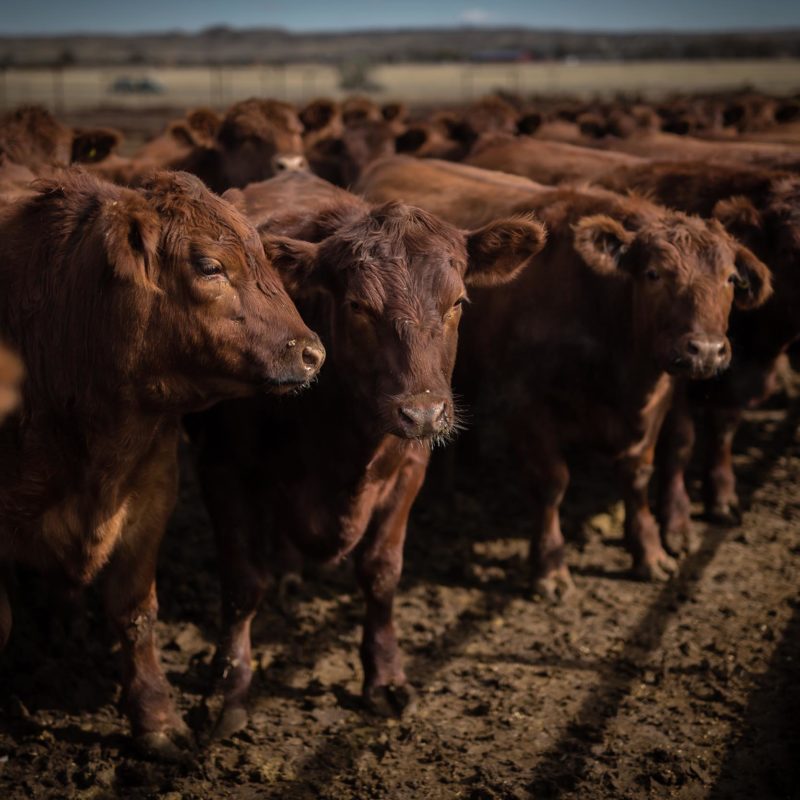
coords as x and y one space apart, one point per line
722 350
692 349
312 357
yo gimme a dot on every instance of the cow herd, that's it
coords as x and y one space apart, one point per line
285 287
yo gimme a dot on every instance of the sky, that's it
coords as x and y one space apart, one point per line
129 16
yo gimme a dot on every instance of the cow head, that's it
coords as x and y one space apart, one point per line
256 140
212 318
771 228
684 274
389 283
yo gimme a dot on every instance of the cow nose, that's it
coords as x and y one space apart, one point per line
311 352
422 415
705 355
289 163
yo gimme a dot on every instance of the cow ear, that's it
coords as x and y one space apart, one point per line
738 216
182 134
411 140
204 124
91 146
499 251
297 263
131 230
602 242
754 284
318 114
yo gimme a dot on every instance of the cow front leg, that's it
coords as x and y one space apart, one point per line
721 500
673 454
131 604
379 563
642 538
233 495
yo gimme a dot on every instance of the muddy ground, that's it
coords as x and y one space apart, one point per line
687 689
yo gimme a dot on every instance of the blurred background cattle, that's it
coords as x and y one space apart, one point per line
629 174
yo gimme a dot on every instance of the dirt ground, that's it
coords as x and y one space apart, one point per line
687 689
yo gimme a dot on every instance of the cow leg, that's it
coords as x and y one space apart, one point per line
379 562
232 497
549 477
721 500
130 600
674 451
650 560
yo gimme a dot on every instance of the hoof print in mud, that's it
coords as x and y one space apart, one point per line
391 700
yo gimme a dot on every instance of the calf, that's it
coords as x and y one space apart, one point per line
128 308
625 296
762 209
338 471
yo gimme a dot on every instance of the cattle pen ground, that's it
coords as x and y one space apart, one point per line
687 689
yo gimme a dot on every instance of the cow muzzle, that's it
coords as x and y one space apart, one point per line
289 163
700 356
422 415
301 361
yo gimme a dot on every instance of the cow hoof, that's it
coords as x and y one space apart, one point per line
726 514
557 587
391 700
288 591
175 746
656 570
231 720
682 540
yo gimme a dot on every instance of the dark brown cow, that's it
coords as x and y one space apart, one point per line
543 161
31 136
337 471
625 295
127 308
254 140
762 209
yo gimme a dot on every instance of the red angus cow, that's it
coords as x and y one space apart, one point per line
127 308
625 295
762 209
338 471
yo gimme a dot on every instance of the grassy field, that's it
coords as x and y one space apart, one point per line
80 88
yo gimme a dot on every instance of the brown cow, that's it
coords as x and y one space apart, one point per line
128 308
762 209
625 295
543 161
337 471
33 137
254 140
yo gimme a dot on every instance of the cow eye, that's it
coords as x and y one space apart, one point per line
652 275
735 280
208 268
355 307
